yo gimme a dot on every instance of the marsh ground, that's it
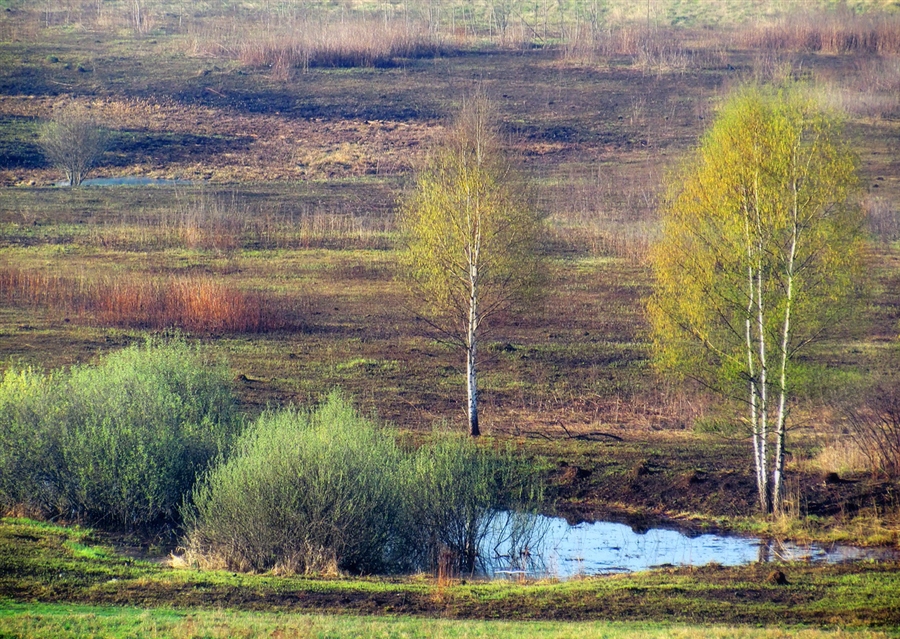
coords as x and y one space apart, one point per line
297 173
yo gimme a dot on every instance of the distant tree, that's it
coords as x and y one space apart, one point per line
472 237
74 142
759 255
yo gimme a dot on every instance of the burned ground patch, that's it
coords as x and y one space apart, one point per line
128 148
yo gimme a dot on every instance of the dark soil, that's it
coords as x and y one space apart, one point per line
663 479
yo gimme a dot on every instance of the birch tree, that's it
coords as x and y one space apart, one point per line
471 238
759 257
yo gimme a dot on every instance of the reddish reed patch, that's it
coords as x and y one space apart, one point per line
198 304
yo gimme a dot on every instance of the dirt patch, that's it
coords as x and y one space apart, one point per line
701 477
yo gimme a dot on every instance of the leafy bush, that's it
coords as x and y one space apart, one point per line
461 493
303 491
25 454
116 444
327 490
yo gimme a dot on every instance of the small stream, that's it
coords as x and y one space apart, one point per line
604 547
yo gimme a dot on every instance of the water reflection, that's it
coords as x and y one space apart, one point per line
597 548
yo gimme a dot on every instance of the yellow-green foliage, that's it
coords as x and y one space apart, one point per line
470 225
772 164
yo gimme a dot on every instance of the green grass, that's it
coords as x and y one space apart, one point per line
62 621
40 565
82 551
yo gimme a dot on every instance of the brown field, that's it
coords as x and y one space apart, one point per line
287 133
281 252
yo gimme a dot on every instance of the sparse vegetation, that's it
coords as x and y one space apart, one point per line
74 142
874 428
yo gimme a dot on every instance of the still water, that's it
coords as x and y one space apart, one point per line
603 547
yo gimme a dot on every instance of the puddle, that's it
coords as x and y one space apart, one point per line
129 181
601 548
567 551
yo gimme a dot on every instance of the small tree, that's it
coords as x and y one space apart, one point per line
471 237
759 253
73 142
873 424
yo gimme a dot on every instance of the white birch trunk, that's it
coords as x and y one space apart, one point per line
472 383
759 459
780 425
474 254
763 412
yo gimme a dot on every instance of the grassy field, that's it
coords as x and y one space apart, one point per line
68 620
299 137
288 229
68 576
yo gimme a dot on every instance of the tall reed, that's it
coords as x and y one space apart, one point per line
834 32
193 303
358 42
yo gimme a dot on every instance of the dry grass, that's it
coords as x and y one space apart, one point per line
883 217
833 32
358 43
863 86
656 50
226 223
842 456
195 303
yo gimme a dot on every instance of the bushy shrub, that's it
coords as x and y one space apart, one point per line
461 493
329 490
303 491
74 142
25 454
119 444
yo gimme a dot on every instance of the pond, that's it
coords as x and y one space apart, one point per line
605 547
129 181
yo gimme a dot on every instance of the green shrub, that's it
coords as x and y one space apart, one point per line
303 491
461 493
119 444
26 454
328 490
